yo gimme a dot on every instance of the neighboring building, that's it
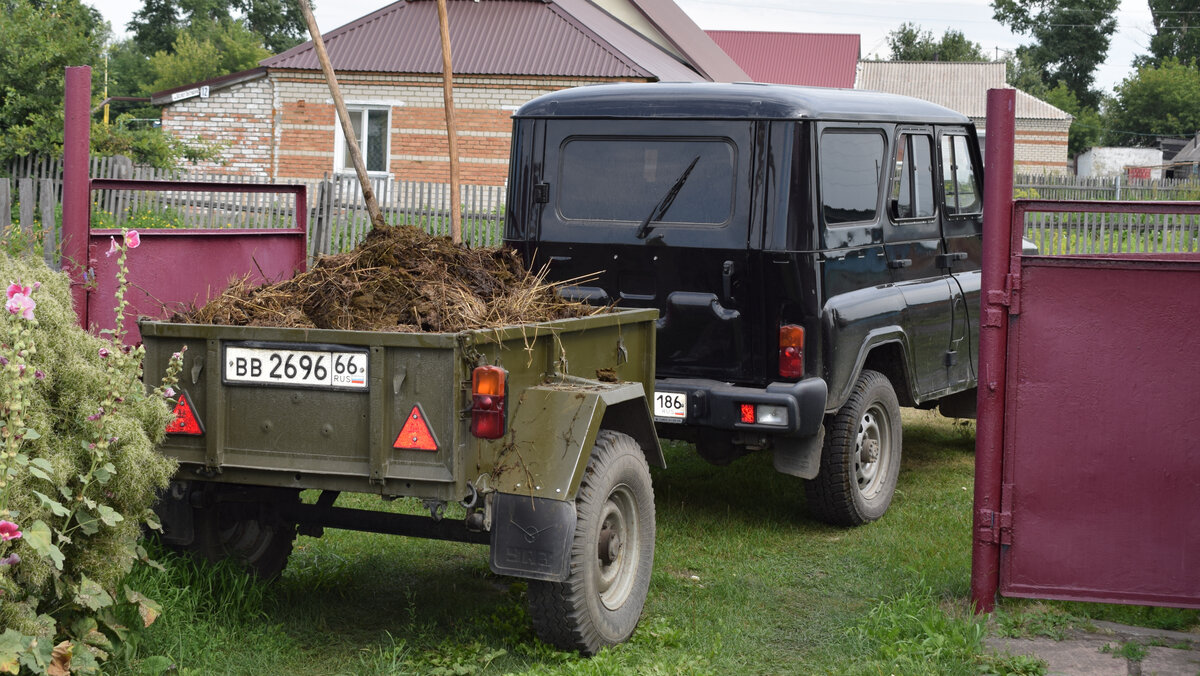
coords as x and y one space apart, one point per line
811 59
1041 129
279 119
1133 163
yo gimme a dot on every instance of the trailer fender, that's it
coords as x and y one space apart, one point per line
554 427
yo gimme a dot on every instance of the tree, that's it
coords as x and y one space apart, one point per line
204 54
1156 101
41 38
1174 35
1071 39
1087 127
159 23
909 43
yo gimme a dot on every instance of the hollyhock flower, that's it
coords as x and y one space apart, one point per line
112 247
20 304
133 239
15 288
10 560
8 531
104 353
39 374
169 392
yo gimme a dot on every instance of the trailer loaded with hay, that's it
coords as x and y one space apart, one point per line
415 368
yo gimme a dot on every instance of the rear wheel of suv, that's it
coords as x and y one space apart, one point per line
860 460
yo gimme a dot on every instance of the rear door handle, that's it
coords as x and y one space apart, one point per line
900 263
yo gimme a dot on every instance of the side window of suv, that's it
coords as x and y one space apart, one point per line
911 195
851 167
958 177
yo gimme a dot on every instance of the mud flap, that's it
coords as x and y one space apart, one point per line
799 456
531 537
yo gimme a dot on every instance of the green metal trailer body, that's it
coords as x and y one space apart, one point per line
266 412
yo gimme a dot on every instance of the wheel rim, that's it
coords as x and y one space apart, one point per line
617 551
872 451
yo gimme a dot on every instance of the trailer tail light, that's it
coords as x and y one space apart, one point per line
488 387
186 421
791 351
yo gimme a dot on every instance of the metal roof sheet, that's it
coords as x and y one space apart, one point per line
812 59
960 86
568 38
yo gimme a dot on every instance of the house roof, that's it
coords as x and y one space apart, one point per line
568 38
961 86
812 59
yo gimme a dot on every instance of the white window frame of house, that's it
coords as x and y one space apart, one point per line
341 163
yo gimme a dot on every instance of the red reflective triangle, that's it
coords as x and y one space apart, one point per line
186 421
415 435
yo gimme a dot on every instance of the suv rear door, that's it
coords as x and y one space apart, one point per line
657 213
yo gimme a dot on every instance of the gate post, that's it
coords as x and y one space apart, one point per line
993 341
77 110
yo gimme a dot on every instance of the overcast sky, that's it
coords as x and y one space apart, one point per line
872 19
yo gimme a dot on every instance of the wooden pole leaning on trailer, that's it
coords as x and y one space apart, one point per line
360 167
451 130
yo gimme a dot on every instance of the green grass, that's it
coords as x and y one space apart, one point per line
744 582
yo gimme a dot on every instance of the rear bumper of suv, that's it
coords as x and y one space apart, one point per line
718 405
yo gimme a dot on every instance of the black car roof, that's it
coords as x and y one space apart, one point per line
710 100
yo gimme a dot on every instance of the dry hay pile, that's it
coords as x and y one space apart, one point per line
398 279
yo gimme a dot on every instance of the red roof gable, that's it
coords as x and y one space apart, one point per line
811 59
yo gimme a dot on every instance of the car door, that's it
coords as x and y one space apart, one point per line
962 234
914 249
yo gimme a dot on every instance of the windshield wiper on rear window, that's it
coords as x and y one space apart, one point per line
664 204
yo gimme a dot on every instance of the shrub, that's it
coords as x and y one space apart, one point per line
78 476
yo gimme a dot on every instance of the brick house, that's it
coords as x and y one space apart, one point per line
279 120
1041 129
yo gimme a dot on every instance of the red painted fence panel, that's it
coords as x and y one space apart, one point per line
1102 462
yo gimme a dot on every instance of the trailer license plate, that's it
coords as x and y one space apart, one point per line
296 368
670 406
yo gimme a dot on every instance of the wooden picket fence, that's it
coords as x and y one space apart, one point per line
338 221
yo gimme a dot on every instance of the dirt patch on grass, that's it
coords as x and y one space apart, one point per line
399 279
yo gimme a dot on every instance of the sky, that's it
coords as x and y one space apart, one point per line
871 19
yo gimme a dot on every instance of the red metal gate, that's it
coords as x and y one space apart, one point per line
1087 465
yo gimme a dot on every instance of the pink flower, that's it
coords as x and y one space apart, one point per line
15 288
104 353
39 374
169 392
112 247
10 560
133 239
8 531
20 304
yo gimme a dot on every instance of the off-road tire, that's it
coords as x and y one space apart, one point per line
600 603
850 489
250 532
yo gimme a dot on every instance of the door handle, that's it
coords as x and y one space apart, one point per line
728 269
900 263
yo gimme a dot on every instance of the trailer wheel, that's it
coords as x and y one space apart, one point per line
246 528
860 461
611 555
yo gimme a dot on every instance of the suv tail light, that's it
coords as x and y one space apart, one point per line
791 351
487 402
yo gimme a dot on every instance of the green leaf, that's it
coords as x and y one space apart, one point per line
92 595
12 644
88 523
105 473
109 516
31 434
148 609
38 536
53 505
157 665
40 474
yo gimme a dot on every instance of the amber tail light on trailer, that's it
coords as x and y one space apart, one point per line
791 351
488 385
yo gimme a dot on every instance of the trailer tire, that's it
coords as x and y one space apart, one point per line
611 557
860 460
248 531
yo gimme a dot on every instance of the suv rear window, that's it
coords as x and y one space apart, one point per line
607 179
851 167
